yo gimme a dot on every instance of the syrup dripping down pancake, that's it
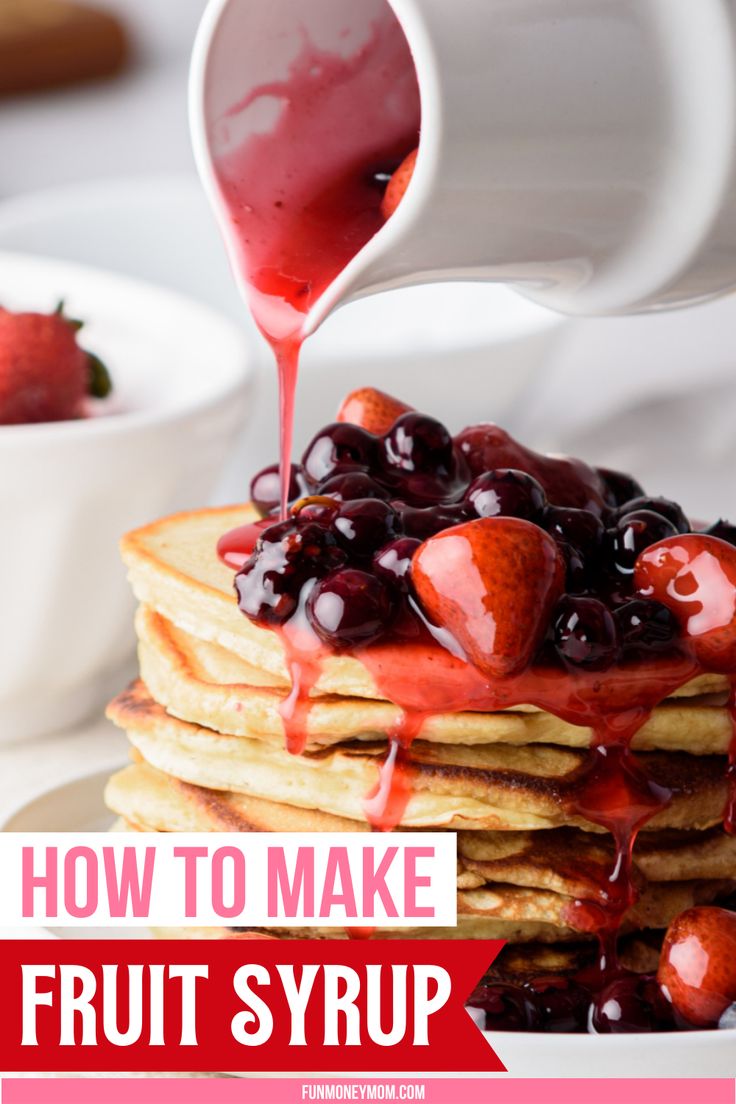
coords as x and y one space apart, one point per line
564 860
491 786
174 569
203 683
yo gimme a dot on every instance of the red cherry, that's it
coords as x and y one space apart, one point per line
493 584
694 576
697 968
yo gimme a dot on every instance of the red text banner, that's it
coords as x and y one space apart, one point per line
243 1004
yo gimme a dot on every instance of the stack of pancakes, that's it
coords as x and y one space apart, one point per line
209 755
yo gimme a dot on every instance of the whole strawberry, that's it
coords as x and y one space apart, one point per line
698 964
492 583
694 575
44 374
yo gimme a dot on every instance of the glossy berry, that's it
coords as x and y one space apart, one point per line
619 486
427 522
506 492
286 556
351 485
507 1007
630 1004
724 530
349 608
561 1003
265 488
662 506
364 525
585 633
633 533
646 628
698 964
392 562
581 529
339 447
417 443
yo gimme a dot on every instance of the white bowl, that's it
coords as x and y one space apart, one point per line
68 490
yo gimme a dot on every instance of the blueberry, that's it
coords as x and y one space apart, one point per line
562 1004
630 1004
392 562
506 492
620 486
286 556
646 628
349 608
579 528
417 443
585 633
633 533
424 523
662 506
265 488
365 524
351 485
724 530
337 448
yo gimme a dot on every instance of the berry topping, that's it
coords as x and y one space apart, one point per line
724 530
339 448
365 524
398 184
628 1005
352 485
697 967
392 562
286 555
662 506
562 1005
506 493
579 529
349 608
426 522
45 375
371 409
633 533
566 481
418 443
694 576
619 487
585 633
265 488
492 583
646 628
507 1007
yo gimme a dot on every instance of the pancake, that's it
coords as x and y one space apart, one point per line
578 864
533 916
517 962
203 683
564 860
520 962
173 568
490 786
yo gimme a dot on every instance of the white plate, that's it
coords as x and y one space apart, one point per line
78 807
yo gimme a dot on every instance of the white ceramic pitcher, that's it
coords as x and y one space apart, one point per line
580 150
